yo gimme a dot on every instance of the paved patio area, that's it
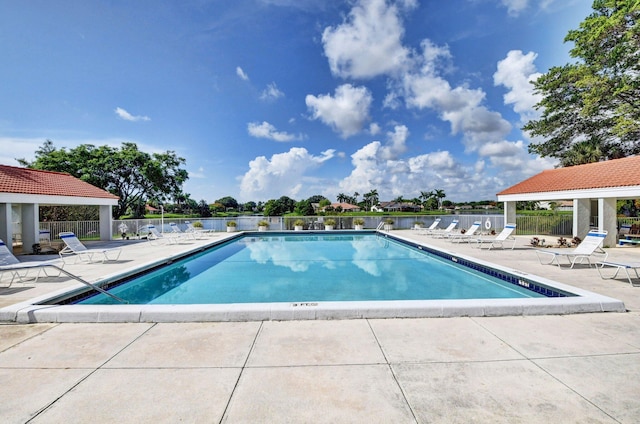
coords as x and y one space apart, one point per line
526 369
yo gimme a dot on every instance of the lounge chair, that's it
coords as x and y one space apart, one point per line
590 246
11 265
443 233
467 235
156 236
176 230
500 239
192 229
73 246
432 227
619 266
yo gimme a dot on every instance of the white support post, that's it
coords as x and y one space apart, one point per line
581 217
6 225
30 226
105 222
607 220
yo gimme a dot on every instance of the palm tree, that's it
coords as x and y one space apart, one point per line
439 195
342 198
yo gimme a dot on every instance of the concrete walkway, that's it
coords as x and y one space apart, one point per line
525 369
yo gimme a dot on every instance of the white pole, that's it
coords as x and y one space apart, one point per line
162 219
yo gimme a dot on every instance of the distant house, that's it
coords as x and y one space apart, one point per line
346 207
396 207
151 209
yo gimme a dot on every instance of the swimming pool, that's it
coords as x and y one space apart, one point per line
59 307
315 268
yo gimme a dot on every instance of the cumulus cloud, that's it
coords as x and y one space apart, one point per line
271 92
123 114
283 174
461 106
267 130
516 72
346 112
369 42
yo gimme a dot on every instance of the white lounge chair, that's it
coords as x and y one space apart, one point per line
156 236
73 246
590 246
500 239
443 233
432 227
634 266
192 229
467 235
9 264
176 230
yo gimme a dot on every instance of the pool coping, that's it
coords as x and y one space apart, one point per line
585 301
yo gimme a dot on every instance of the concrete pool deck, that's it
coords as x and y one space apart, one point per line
531 369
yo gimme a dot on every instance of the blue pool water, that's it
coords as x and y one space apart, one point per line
310 268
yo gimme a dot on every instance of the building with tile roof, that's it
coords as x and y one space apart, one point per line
594 189
23 190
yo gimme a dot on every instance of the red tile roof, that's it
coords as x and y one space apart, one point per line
623 172
31 181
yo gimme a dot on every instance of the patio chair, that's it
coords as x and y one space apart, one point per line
500 239
467 235
634 266
188 234
156 236
192 229
590 246
432 227
441 233
11 265
73 246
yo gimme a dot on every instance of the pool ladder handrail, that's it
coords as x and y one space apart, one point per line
75 277
380 225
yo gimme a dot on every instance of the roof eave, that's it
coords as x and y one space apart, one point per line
628 192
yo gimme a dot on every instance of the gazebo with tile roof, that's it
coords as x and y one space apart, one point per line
23 190
594 189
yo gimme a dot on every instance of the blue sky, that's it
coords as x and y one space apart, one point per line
265 98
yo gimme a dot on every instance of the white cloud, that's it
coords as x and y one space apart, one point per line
515 7
283 174
461 106
243 76
266 130
271 92
369 42
515 72
346 112
374 128
123 114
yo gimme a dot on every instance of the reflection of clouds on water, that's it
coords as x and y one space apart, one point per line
297 260
365 253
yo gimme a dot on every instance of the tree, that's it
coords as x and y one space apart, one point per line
304 208
134 176
595 102
228 202
279 207
439 195
342 198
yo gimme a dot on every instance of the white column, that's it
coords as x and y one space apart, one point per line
607 220
509 213
105 222
6 225
581 217
30 226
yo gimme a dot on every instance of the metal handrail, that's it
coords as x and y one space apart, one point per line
75 277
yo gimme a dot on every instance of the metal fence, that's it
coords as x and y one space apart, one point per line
560 225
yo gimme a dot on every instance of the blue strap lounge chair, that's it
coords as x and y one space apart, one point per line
73 246
590 246
9 264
